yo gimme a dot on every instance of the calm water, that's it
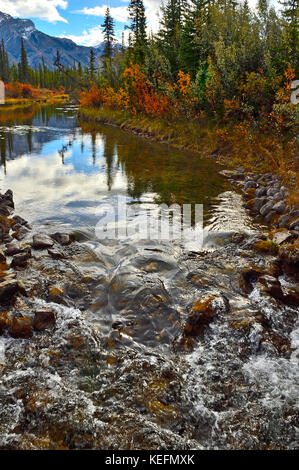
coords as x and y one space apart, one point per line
61 172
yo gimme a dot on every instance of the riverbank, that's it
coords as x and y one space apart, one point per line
232 146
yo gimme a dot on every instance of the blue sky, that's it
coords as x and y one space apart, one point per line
79 20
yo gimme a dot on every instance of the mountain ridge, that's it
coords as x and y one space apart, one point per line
40 46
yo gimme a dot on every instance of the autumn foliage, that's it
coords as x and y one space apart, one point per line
20 90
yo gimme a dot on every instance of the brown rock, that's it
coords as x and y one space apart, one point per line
5 321
20 260
43 319
203 312
62 238
42 241
21 328
12 248
8 290
289 259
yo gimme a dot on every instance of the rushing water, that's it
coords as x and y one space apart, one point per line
118 372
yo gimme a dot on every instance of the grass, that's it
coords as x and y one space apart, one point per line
233 146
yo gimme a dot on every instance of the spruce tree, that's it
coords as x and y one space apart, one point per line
92 65
24 67
138 27
290 13
108 30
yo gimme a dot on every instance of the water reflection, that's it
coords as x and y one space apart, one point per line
62 171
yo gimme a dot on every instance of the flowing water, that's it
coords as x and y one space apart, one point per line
119 371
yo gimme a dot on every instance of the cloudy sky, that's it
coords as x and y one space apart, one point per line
79 20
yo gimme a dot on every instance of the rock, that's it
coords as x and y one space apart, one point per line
5 321
294 224
43 319
21 233
249 193
294 214
249 276
21 328
267 247
62 238
280 237
280 207
291 297
8 198
12 248
272 191
289 259
259 202
260 191
272 286
20 260
56 254
5 210
203 312
266 208
250 184
284 221
2 255
8 289
269 216
42 241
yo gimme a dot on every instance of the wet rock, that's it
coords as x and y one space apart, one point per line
20 260
266 208
4 227
8 198
289 259
5 321
42 241
8 289
21 327
284 220
19 220
249 276
294 214
203 312
63 238
2 255
250 193
12 248
56 254
21 233
294 224
291 297
43 319
5 210
266 247
280 207
272 286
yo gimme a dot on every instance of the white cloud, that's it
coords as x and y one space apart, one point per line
118 13
42 9
89 38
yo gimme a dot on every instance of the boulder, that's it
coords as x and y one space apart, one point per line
8 289
259 202
19 220
261 192
21 327
264 210
42 241
272 286
62 238
56 254
20 260
289 259
280 207
12 248
44 319
284 220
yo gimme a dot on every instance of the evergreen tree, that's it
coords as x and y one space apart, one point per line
24 67
92 65
138 27
290 13
108 30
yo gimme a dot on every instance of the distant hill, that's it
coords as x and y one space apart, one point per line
38 44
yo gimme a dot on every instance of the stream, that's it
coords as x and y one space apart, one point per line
126 367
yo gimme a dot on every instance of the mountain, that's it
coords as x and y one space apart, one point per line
38 44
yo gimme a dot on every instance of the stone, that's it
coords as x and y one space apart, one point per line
2 255
62 238
294 214
20 260
8 289
291 297
5 321
249 276
5 210
21 233
21 328
44 319
264 210
280 237
280 207
266 247
42 241
259 202
260 191
289 259
294 224
203 312
250 184
272 286
19 220
56 254
284 221
269 216
12 248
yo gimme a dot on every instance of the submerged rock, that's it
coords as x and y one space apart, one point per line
203 312
43 319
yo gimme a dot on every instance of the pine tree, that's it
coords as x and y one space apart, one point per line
290 12
24 67
92 65
108 30
138 27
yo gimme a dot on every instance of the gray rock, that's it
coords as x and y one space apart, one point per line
293 225
294 213
42 241
280 207
278 196
21 233
250 184
272 191
12 248
260 192
269 216
259 202
266 208
284 221
280 237
62 238
19 220
20 260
